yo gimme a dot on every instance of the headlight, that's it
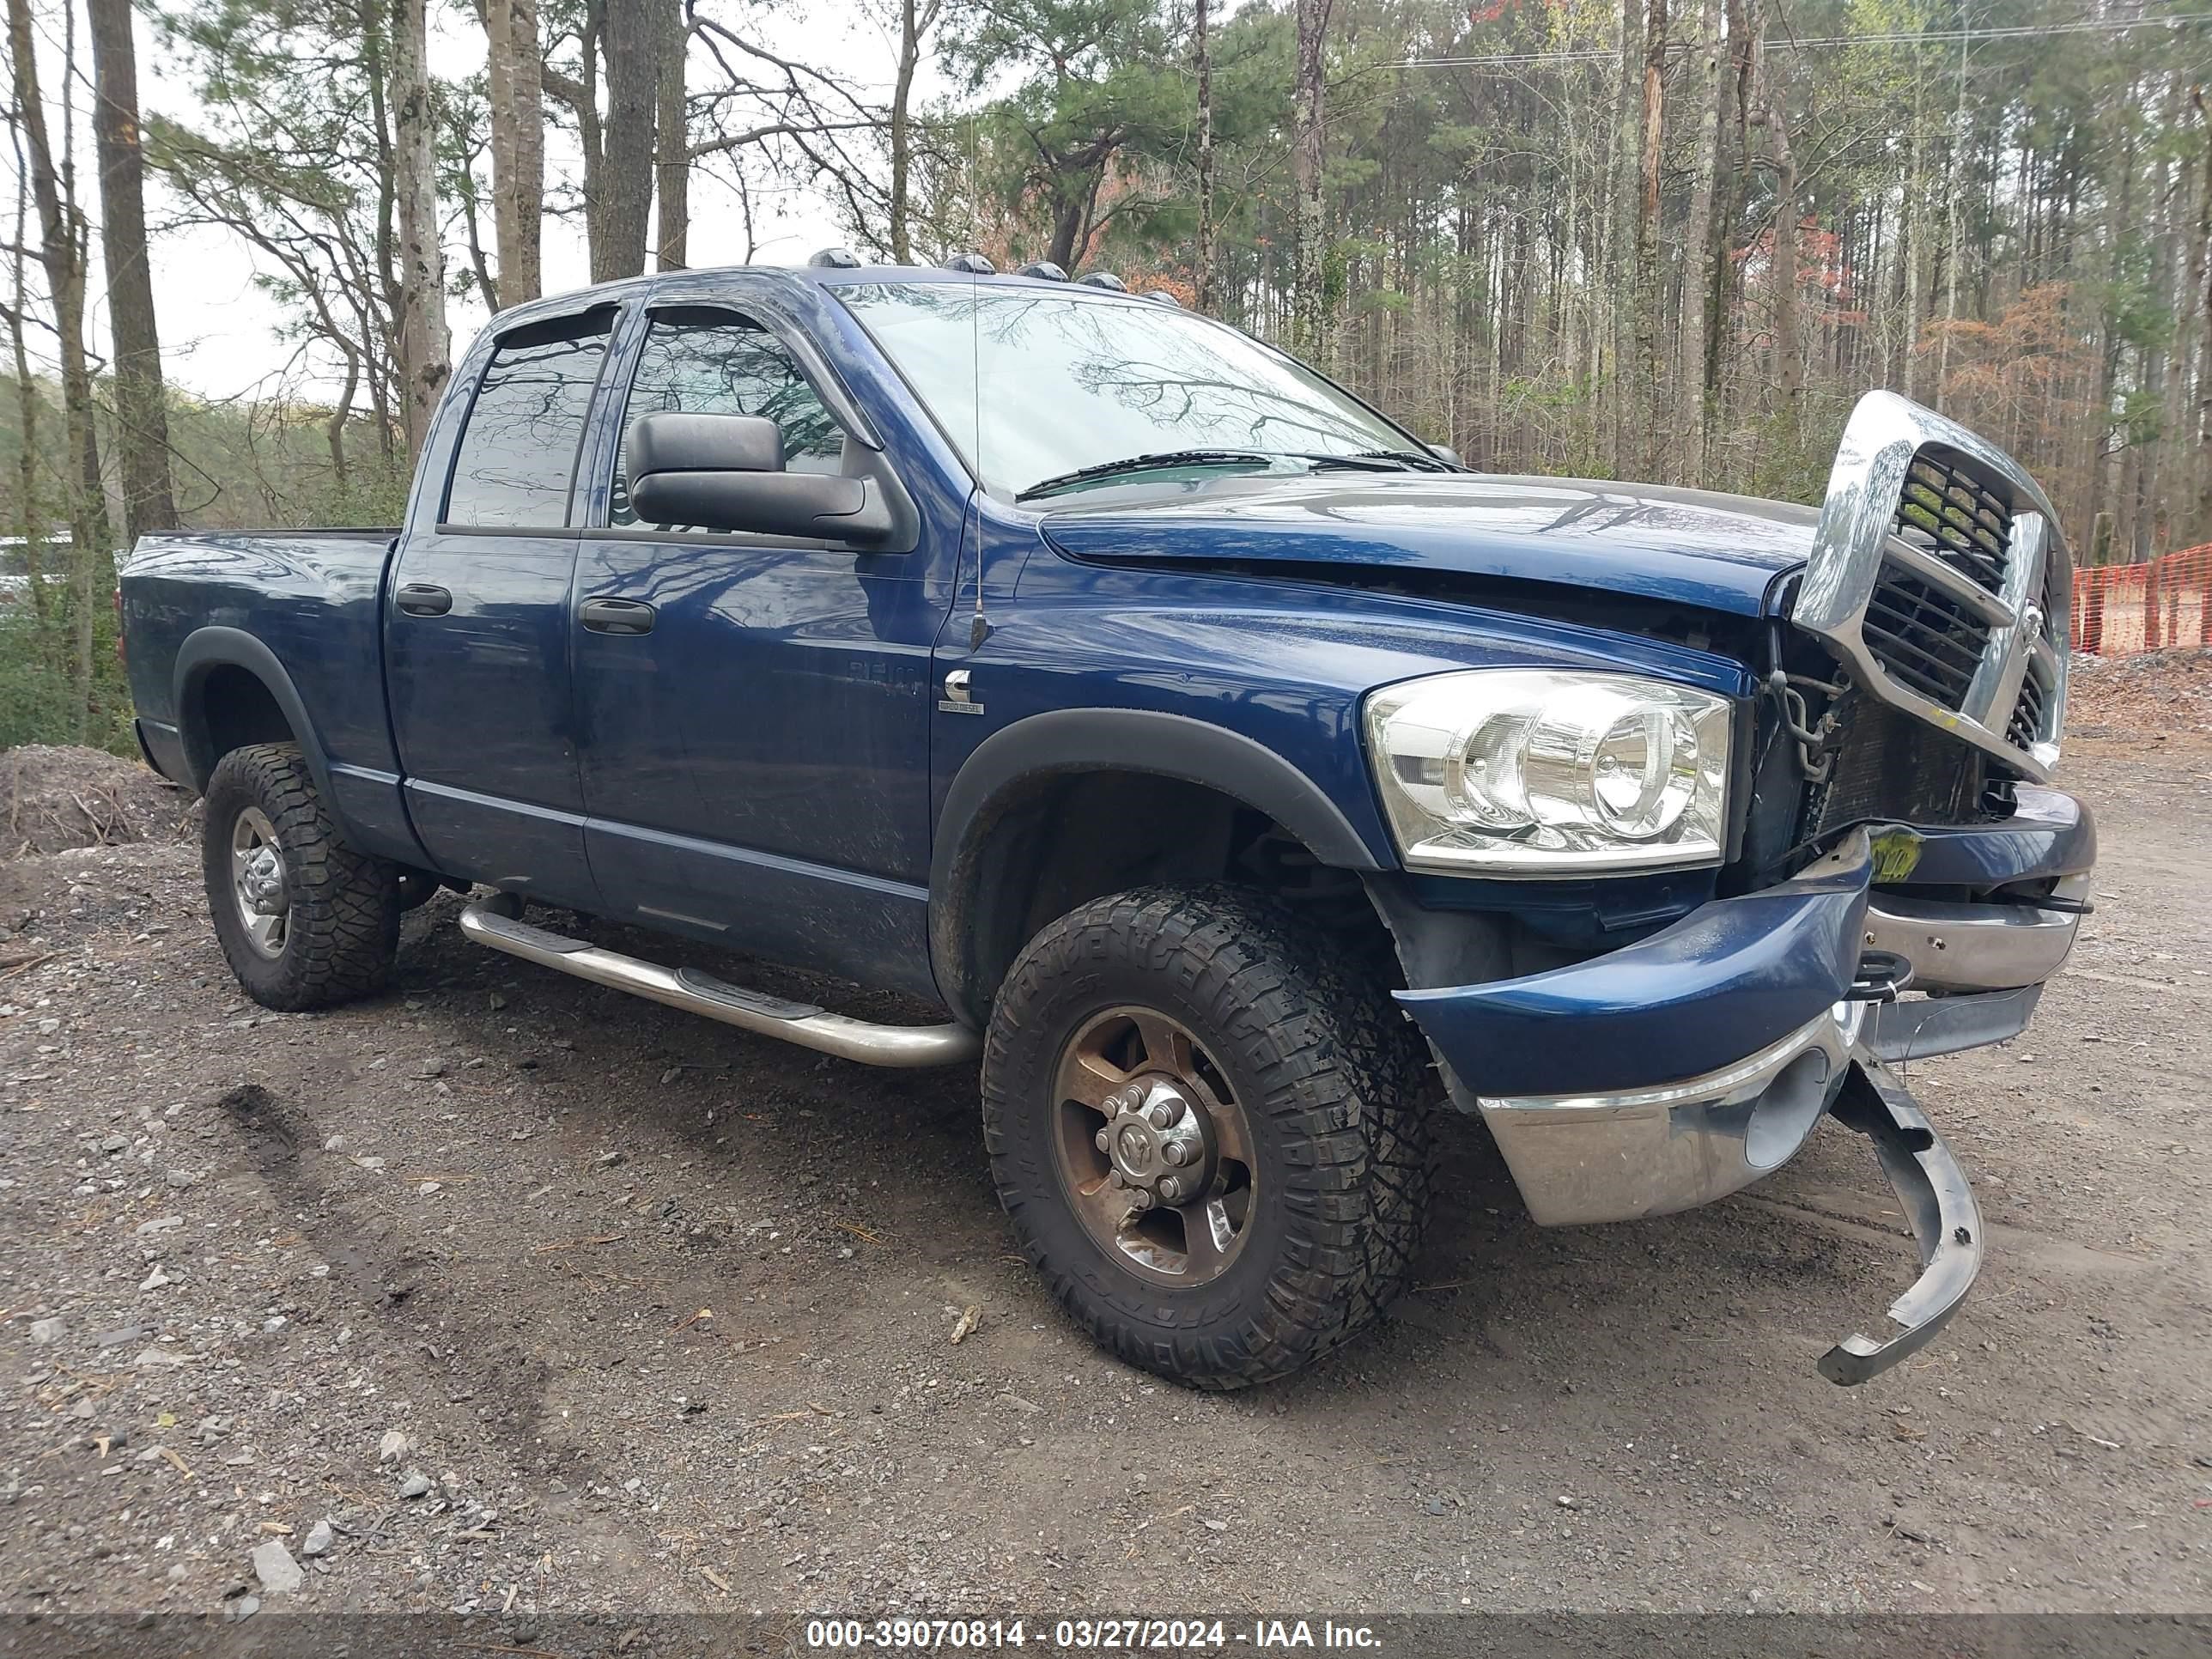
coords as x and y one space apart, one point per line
1551 772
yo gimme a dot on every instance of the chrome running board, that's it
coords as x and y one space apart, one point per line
488 921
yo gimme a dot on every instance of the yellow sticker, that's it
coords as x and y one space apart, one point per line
1896 855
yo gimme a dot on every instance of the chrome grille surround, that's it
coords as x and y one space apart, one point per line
2012 704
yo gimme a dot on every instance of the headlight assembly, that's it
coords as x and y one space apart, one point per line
1544 772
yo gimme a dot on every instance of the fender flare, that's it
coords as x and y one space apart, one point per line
207 649
1066 741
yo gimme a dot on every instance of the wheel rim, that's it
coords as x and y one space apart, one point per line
256 882
1153 1147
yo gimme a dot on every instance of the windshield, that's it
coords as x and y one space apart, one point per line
1034 385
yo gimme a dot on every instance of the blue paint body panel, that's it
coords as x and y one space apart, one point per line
771 768
1727 979
1680 546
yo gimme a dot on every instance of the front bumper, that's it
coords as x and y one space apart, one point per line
1682 1068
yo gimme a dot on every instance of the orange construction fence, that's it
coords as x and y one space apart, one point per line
2122 609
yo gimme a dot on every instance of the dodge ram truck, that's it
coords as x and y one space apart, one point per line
1243 782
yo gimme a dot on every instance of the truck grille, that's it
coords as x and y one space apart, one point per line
1948 510
2027 714
1926 640
1940 580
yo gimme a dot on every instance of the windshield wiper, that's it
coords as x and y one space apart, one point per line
1146 464
1413 459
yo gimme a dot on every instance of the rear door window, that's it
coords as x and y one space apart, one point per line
517 457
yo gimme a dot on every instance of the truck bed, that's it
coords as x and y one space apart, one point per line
306 602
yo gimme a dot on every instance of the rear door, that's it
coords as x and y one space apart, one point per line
477 623
755 710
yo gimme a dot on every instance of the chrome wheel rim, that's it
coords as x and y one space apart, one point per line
257 883
1153 1148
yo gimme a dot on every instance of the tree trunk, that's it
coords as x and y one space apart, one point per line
1652 144
636 35
1696 252
672 249
1915 236
2200 278
425 347
517 148
1308 326
1627 196
902 133
1789 358
62 237
1202 52
142 420
30 523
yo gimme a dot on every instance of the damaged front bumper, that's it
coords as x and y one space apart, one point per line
1682 1068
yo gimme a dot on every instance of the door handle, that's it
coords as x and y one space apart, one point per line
425 600
616 616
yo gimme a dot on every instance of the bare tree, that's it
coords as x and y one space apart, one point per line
425 346
916 19
1645 297
30 522
1691 411
141 416
1202 54
1308 152
637 32
63 233
516 85
672 161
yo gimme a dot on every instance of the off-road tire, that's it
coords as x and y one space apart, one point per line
341 929
1336 1093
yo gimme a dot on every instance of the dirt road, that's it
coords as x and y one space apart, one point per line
645 1313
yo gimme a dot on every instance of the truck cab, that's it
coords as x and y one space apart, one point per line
1249 785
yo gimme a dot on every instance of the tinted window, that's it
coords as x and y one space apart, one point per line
713 362
518 453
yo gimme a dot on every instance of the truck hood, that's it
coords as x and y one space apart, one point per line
1688 547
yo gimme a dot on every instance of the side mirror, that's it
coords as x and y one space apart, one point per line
725 472
1445 453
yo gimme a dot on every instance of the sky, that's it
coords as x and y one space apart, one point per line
219 334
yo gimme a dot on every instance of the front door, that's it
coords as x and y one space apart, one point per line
754 712
477 624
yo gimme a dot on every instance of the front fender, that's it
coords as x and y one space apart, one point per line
1007 765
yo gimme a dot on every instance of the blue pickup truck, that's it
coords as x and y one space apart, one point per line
1246 782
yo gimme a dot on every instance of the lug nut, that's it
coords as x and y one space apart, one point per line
1101 1139
1171 1188
1118 1178
1176 1152
1140 1199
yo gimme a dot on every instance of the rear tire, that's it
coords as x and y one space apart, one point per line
304 920
1299 1093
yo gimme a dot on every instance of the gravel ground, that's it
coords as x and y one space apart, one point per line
506 1293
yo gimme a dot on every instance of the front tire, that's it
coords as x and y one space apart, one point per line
1211 1139
304 920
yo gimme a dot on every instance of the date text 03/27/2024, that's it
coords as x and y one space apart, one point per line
1087 1635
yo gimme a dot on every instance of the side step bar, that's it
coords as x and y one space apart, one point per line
490 921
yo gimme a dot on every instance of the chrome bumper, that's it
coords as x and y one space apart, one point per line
1977 947
1652 1152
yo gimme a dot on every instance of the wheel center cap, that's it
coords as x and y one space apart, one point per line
1136 1151
1159 1142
